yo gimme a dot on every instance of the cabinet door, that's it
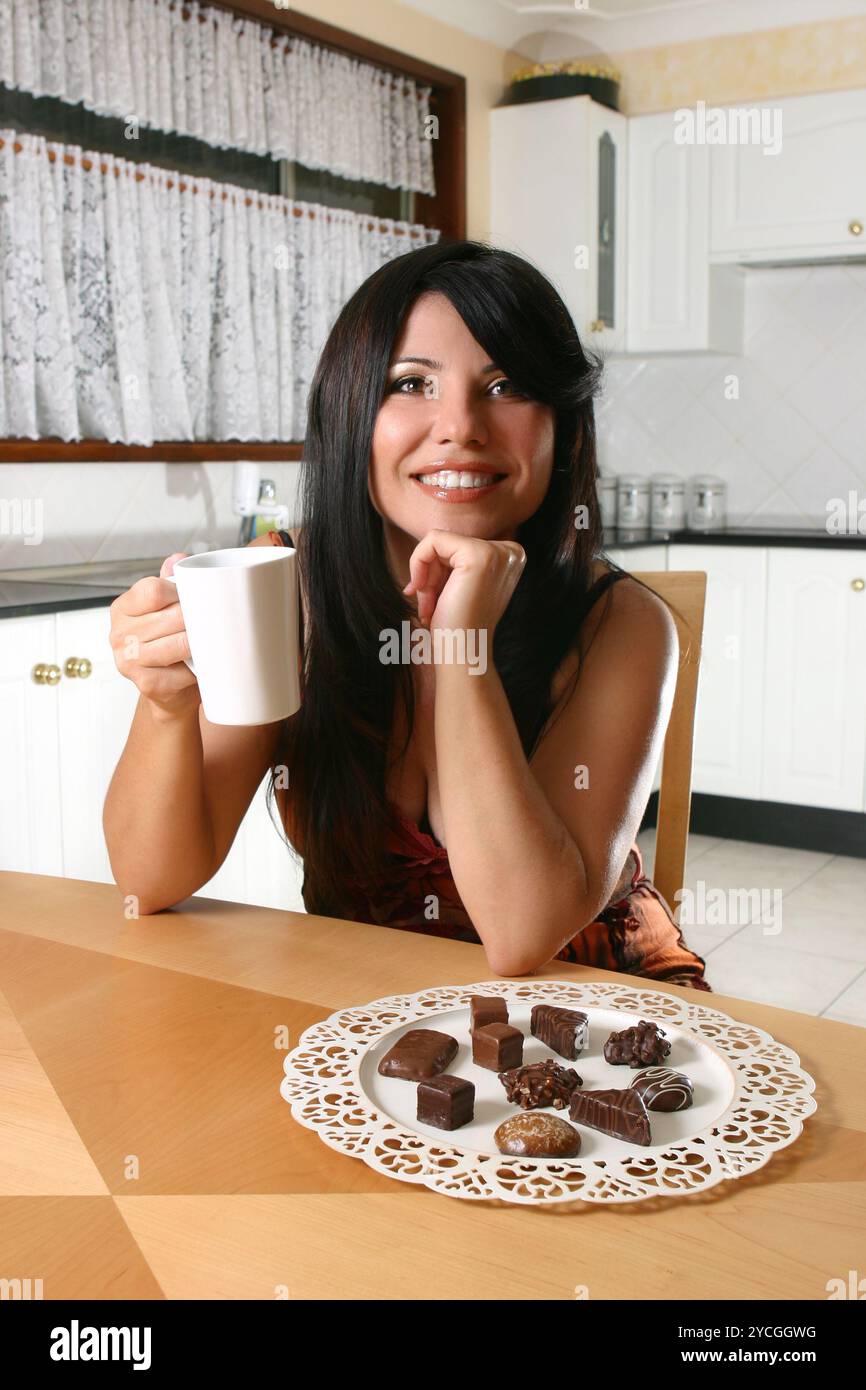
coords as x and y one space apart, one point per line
607 191
804 198
815 724
95 712
728 724
539 192
30 823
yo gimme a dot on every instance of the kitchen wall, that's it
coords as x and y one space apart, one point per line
115 511
784 424
825 56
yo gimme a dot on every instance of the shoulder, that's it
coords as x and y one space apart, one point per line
627 626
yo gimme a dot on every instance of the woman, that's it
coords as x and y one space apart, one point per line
491 789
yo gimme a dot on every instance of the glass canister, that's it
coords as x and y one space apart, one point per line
607 491
633 502
708 503
667 502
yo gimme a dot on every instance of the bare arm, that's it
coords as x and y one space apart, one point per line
182 785
534 857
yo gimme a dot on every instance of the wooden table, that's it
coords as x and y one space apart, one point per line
146 1152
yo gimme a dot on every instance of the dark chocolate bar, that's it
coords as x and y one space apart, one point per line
420 1052
562 1030
497 1046
446 1102
621 1114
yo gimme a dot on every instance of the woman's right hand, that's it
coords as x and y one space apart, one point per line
150 644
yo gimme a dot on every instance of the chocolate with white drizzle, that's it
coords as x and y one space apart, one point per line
662 1088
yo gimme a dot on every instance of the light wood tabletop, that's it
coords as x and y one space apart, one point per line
146 1152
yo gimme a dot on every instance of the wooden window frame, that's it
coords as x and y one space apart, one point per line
446 209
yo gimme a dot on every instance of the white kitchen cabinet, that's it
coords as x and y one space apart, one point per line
59 745
30 823
809 198
558 197
677 300
815 711
729 717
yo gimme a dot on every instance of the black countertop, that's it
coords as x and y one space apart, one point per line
24 597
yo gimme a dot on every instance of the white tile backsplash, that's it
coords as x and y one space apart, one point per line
115 511
795 434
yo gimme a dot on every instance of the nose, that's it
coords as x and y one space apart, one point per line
459 416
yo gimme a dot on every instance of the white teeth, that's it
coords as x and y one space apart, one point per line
450 478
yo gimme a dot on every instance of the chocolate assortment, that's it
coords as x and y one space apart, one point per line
420 1052
620 1113
446 1102
497 1046
661 1088
537 1136
562 1030
540 1084
642 1046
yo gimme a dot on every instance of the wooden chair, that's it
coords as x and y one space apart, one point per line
686 592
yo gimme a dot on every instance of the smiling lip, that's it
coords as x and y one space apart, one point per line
452 495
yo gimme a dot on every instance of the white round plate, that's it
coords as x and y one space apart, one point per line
750 1096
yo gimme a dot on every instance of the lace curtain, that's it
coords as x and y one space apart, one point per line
139 305
225 80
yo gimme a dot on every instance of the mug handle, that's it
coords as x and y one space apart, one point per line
171 579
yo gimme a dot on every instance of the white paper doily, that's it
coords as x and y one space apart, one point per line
751 1097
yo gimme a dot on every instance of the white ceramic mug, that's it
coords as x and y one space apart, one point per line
240 611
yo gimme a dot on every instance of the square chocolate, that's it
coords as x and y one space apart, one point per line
497 1046
419 1053
446 1102
485 1009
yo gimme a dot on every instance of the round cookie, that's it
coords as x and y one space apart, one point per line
536 1135
662 1088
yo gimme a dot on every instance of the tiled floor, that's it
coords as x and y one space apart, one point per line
801 945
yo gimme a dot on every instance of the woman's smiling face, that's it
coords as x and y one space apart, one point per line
456 447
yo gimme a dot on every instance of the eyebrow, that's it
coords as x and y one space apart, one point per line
437 366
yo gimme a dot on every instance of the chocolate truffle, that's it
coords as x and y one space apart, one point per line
643 1046
537 1136
562 1030
540 1083
446 1102
497 1046
485 1009
420 1052
621 1114
661 1088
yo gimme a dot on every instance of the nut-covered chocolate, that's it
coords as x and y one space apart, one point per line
540 1083
537 1136
642 1046
661 1088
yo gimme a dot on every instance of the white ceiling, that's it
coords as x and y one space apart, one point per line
543 29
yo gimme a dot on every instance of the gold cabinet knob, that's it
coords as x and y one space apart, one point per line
78 666
855 227
46 673
858 585
597 325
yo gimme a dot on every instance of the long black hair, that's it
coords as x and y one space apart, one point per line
335 747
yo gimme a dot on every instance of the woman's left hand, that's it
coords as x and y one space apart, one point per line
462 582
